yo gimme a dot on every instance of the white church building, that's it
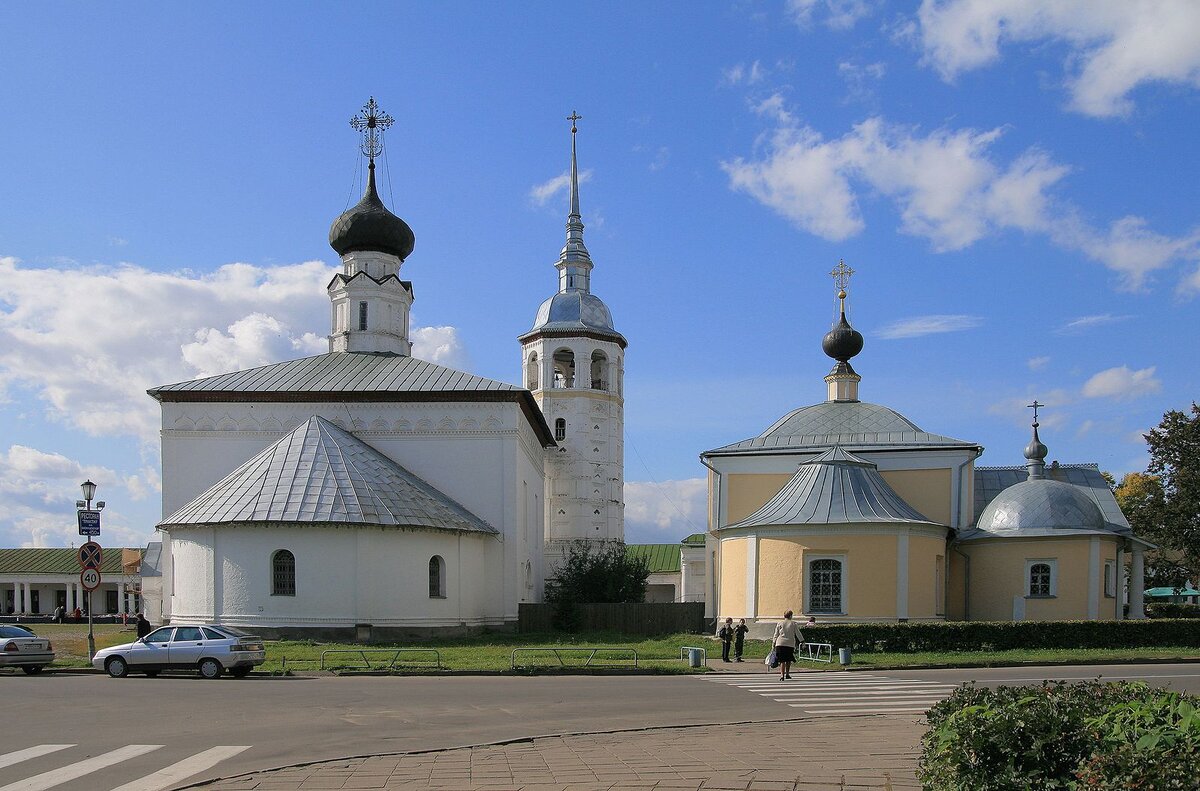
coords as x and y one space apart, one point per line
365 488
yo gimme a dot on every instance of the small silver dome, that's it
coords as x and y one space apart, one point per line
1041 507
574 310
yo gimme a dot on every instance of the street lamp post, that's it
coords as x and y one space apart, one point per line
89 491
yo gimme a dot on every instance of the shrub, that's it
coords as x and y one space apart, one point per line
1173 610
1093 735
1005 635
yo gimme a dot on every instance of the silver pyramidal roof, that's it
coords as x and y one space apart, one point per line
322 473
854 424
836 487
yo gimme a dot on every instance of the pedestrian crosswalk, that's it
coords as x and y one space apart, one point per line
109 769
839 693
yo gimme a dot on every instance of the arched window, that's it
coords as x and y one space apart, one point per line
362 315
564 368
531 372
283 573
560 430
825 585
599 370
437 577
1041 578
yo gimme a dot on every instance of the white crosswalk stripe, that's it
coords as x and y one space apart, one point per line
94 766
839 693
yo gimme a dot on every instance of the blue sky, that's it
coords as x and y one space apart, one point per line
1015 186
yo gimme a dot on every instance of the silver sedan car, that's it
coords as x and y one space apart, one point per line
21 648
206 648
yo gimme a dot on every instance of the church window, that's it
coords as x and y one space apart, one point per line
437 577
1110 579
1041 578
362 315
560 430
826 585
599 370
531 372
283 573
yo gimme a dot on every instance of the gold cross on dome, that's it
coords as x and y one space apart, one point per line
573 117
372 122
841 275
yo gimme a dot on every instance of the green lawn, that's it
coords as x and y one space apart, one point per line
493 652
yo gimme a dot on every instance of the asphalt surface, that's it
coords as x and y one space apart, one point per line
285 721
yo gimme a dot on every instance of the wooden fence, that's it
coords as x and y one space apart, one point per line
640 619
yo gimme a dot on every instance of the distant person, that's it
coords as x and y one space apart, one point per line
812 621
787 638
143 626
60 613
77 615
726 635
739 639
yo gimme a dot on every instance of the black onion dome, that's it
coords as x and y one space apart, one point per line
368 225
843 341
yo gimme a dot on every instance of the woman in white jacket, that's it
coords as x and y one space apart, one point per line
787 640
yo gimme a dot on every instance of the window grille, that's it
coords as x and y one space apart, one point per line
1039 579
560 429
825 586
437 577
362 315
283 573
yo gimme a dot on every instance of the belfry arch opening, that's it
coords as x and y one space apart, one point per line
600 370
531 372
564 368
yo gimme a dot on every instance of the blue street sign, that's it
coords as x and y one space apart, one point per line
89 523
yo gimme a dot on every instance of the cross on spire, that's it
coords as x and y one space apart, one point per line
371 122
1035 406
573 117
841 275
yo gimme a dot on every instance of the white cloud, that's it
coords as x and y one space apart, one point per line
1122 383
836 14
109 333
1190 285
541 193
439 345
1037 363
917 326
741 73
946 185
666 510
39 490
1113 46
1084 323
860 79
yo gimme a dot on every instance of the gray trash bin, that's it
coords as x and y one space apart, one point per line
695 657
844 656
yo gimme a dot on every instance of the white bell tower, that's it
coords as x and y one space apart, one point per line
573 361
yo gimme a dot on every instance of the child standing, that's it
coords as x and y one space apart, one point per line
726 635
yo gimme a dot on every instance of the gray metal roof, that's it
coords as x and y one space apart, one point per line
990 482
574 311
852 424
836 487
1038 508
152 560
341 372
320 473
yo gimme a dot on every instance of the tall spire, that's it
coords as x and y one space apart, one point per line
574 262
1035 451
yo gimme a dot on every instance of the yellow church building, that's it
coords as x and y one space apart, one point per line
848 511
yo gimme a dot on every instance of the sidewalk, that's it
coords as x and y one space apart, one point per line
811 754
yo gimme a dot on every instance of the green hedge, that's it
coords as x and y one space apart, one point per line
1173 610
1104 736
1004 635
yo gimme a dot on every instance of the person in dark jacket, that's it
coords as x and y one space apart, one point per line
739 639
143 626
726 635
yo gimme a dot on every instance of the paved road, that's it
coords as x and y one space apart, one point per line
134 728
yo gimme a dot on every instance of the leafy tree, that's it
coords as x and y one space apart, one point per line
598 574
1164 504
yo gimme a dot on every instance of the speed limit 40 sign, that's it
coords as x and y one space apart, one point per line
90 579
